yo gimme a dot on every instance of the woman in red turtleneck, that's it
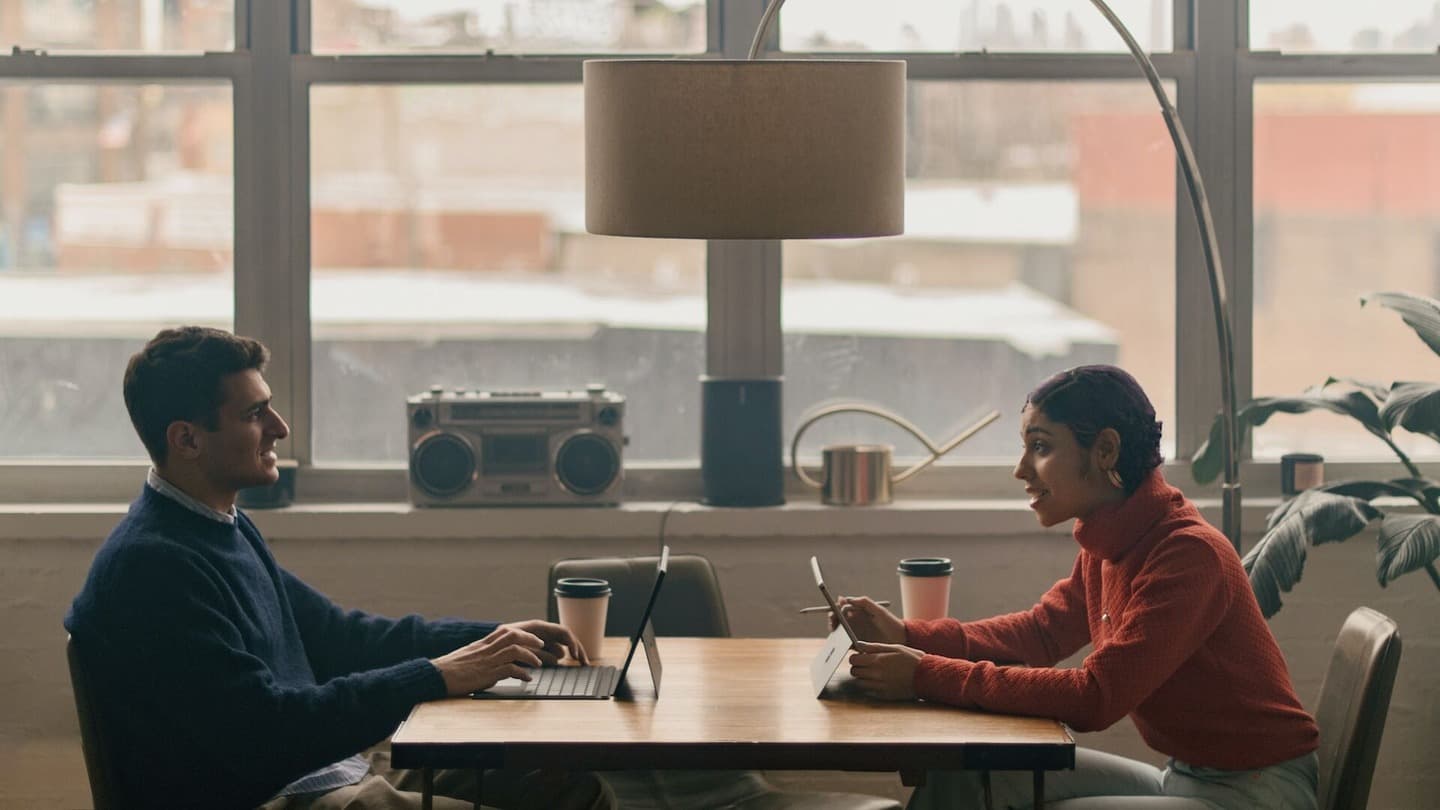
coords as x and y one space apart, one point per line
1179 643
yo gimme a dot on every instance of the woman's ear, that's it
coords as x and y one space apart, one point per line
1107 448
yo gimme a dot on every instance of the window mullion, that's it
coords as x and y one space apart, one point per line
271 290
1209 113
743 299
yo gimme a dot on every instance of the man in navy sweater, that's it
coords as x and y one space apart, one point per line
224 680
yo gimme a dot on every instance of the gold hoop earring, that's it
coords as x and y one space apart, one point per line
1115 479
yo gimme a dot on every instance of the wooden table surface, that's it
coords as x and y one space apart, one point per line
726 703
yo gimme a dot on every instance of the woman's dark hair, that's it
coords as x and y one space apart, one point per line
178 377
1088 399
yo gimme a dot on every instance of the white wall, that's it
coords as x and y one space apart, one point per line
765 578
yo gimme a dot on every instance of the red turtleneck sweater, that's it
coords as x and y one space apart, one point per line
1179 643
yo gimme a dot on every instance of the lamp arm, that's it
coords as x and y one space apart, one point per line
1209 246
763 30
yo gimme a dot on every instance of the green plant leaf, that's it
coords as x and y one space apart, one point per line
1420 313
1407 542
1415 407
1424 491
1206 464
1377 390
1313 517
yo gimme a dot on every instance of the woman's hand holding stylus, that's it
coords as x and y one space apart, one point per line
870 621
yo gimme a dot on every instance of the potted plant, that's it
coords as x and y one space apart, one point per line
1335 512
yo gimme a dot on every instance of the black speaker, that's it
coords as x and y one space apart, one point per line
741 447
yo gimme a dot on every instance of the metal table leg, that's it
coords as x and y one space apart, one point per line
427 789
479 786
1039 783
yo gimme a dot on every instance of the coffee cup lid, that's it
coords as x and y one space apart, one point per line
581 587
925 566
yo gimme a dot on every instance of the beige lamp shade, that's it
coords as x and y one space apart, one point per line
754 149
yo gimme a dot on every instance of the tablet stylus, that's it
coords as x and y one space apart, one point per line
823 608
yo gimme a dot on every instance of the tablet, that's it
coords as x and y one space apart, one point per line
840 641
830 600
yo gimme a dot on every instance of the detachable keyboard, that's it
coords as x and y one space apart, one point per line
572 681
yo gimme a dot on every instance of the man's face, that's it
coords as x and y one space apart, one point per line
240 451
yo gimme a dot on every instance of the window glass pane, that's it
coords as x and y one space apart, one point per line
449 247
118 25
1368 222
1040 235
116 218
971 25
1299 26
508 26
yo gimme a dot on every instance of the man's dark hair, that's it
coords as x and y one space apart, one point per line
1088 399
178 376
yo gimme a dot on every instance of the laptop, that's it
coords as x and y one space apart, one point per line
590 682
841 640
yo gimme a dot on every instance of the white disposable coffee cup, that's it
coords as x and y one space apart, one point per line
925 587
583 603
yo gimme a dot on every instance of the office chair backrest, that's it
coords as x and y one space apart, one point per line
104 790
1354 699
690 604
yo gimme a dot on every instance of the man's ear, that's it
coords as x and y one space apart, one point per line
183 439
1107 448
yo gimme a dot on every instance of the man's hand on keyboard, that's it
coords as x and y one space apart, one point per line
508 652
557 638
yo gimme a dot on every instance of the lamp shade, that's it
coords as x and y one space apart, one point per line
753 149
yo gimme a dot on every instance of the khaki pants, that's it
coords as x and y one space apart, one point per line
385 788
1103 781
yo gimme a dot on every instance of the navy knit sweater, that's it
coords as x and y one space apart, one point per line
222 677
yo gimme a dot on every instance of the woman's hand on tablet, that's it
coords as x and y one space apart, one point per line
886 671
870 621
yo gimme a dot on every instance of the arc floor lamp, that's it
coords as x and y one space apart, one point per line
795 149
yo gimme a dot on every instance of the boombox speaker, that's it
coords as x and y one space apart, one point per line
516 448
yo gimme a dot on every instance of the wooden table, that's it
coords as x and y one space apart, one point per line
727 704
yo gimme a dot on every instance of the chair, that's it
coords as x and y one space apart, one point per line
690 605
1354 699
104 787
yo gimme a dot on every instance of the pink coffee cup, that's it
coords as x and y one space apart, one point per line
583 603
925 587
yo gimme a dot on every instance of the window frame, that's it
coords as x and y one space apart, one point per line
272 70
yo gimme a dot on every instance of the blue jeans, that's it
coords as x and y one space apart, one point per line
1103 780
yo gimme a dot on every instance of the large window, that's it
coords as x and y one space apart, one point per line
1369 221
448 248
116 209
1028 206
1305 26
149 26
390 194
956 26
508 26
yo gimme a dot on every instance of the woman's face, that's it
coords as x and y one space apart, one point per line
1063 479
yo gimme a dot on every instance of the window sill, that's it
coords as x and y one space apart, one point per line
391 520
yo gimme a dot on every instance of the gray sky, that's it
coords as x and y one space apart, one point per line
1333 22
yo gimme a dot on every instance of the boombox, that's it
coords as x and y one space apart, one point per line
514 448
